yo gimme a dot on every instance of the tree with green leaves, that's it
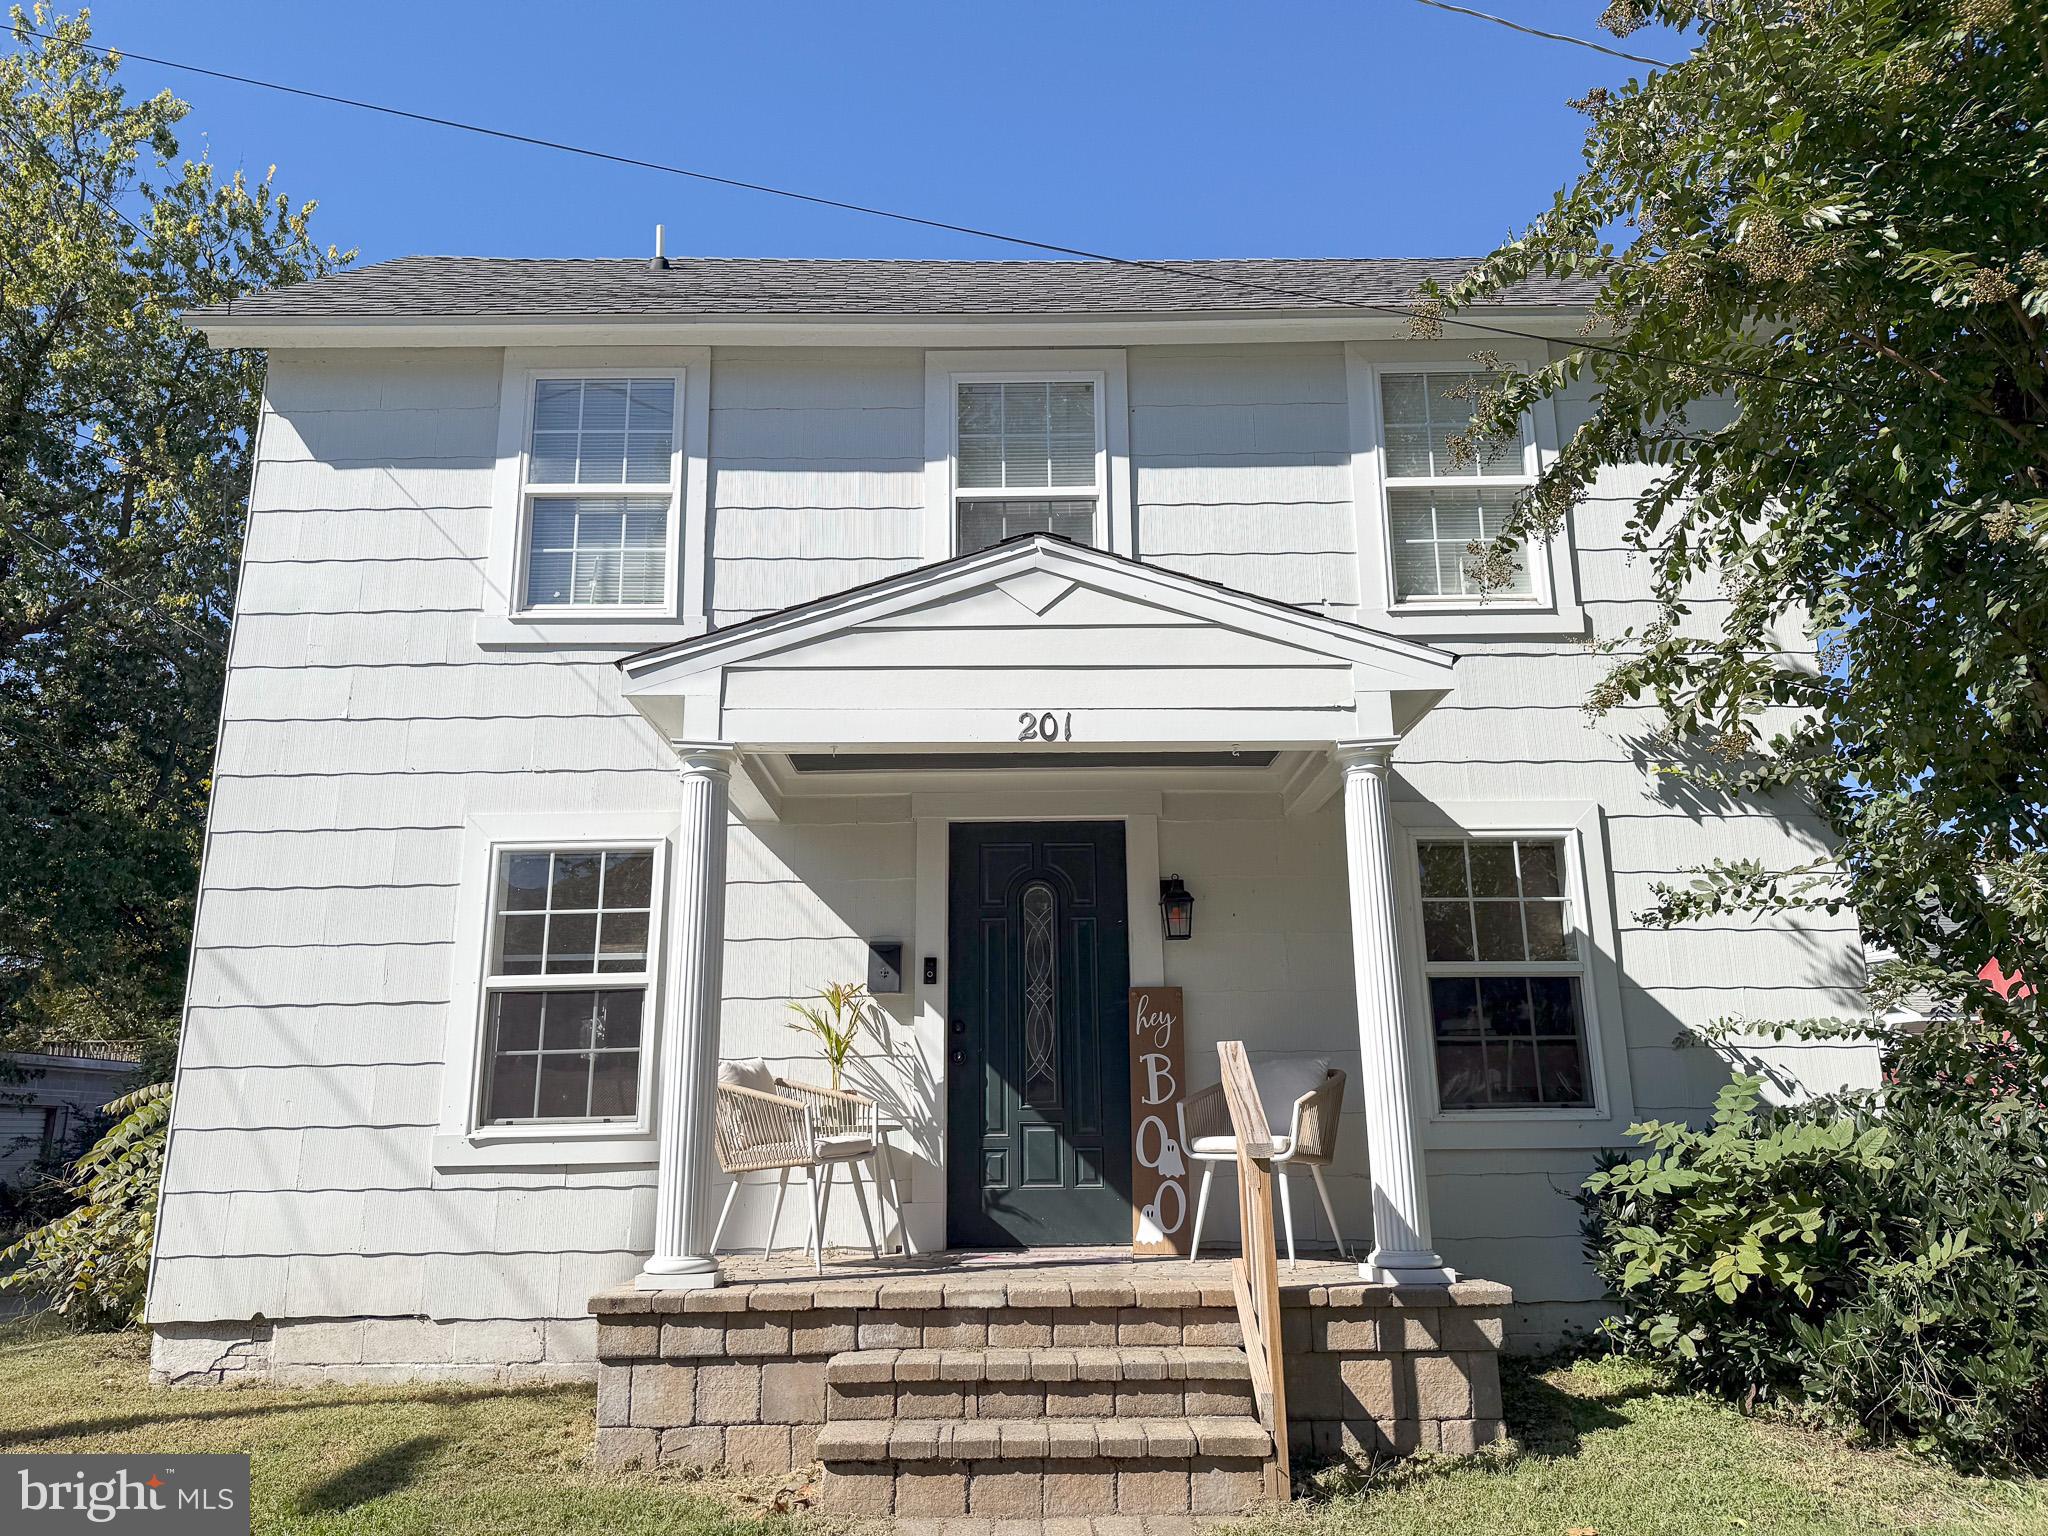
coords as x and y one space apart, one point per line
124 464
1836 221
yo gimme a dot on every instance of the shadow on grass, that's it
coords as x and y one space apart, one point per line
381 1472
257 1402
1544 1423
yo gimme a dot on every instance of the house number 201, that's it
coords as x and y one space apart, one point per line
1045 727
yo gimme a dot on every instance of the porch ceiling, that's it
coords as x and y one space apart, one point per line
1038 645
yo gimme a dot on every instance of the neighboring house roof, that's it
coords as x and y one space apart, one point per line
421 287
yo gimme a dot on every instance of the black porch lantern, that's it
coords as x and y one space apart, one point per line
1176 908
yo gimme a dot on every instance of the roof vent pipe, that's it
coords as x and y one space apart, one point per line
660 262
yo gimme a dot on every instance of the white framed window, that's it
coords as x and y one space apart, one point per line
1021 443
1027 458
598 493
553 1020
1438 505
566 979
1510 973
599 530
1421 505
1505 965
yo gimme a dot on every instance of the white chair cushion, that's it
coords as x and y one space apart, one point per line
752 1072
844 1144
1226 1146
1283 1079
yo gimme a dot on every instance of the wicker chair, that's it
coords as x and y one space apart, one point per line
1207 1136
786 1127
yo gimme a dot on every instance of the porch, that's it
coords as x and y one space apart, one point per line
1149 681
1039 1384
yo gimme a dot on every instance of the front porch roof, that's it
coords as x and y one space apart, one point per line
981 651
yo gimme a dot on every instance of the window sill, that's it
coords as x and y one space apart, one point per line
498 632
1518 1129
1488 621
568 1150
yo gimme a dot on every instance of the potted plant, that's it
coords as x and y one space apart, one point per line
836 1015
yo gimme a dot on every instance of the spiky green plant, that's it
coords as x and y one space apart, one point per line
93 1261
836 1016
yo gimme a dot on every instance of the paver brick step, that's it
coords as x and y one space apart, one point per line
1152 1440
873 1367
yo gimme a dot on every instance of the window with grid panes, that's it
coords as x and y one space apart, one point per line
600 492
1438 505
566 984
1026 459
1506 964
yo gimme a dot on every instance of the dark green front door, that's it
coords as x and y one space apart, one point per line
1037 1056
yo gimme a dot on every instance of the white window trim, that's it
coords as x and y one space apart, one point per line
1106 368
460 1141
506 621
1552 609
1581 826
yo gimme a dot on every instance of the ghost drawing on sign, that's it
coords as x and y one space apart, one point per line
1156 1056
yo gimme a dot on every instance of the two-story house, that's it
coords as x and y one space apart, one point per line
624 650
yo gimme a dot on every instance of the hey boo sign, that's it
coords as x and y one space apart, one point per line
1159 1170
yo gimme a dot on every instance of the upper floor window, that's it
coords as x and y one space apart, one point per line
566 979
1440 503
1506 966
599 492
1027 457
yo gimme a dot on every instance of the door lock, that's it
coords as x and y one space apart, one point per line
959 1028
959 1057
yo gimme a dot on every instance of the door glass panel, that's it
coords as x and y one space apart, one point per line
1041 1014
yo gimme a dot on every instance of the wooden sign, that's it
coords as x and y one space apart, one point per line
1160 1205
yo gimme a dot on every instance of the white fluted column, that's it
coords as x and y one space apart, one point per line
688 1069
1402 1252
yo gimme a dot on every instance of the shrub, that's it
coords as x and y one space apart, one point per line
1883 1261
93 1261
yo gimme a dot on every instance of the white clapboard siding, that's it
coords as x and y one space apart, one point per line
309 802
819 378
447 583
326 915
795 439
756 585
429 490
386 379
1289 528
430 435
1210 481
521 686
595 740
331 1034
398 533
364 727
821 533
1310 374
1313 581
817 432
300 1097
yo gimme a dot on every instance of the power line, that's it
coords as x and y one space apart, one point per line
1553 37
1399 311
101 578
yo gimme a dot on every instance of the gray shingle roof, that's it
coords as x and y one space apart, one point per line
489 287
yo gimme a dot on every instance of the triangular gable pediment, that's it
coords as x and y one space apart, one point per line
1034 624
1048 579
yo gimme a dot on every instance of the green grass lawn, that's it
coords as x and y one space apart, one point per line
1599 1448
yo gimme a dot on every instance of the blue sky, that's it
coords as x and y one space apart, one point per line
1191 129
